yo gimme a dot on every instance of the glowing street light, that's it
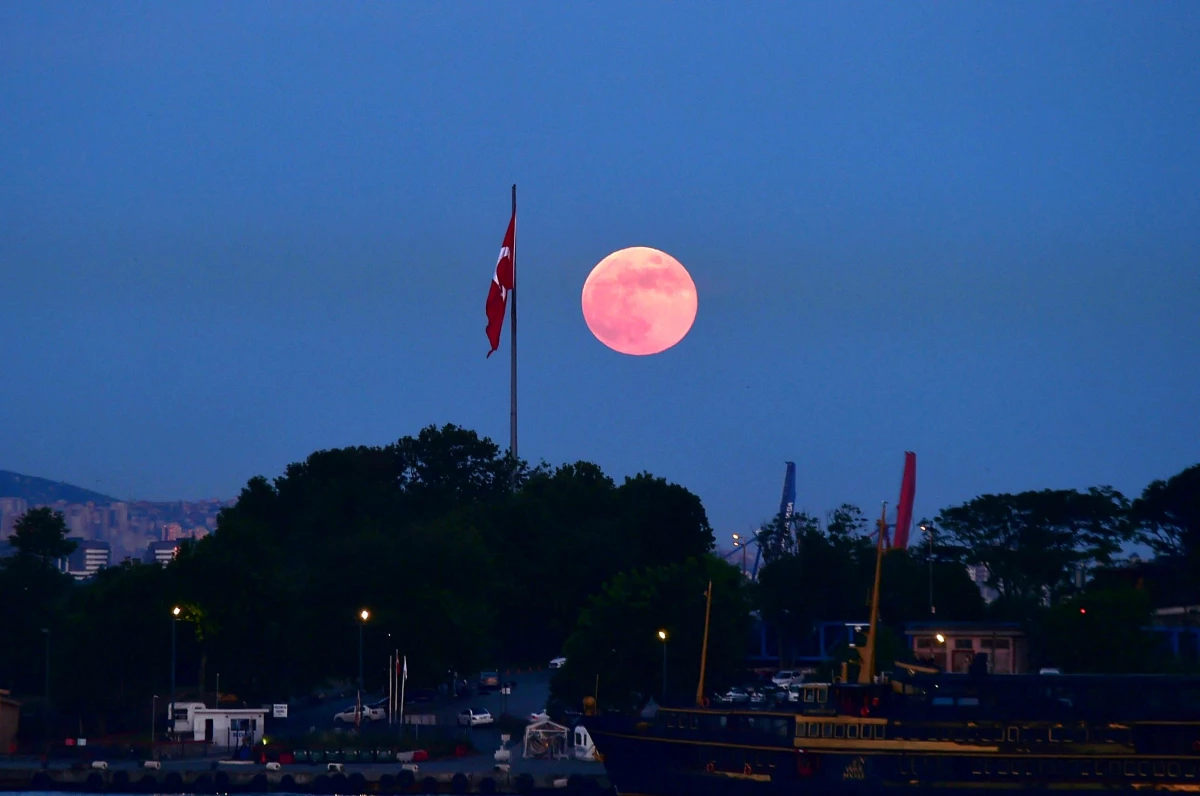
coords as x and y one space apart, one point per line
940 638
175 612
739 542
364 615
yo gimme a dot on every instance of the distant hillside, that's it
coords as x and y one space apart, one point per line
40 491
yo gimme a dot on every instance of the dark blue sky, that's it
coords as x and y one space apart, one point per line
231 234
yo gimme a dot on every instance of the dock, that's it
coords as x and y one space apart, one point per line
450 777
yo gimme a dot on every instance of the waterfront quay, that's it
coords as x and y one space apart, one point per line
464 776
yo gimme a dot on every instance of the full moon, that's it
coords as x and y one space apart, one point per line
639 301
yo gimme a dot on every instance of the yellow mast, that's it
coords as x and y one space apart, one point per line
866 669
704 647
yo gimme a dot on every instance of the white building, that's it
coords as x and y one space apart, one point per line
90 556
161 553
222 727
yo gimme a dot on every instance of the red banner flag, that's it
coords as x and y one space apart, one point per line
502 283
908 492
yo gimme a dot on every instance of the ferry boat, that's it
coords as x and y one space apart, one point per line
918 731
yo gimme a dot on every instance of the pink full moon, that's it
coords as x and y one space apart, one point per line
639 301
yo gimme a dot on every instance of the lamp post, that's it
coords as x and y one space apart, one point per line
662 636
737 542
364 615
175 612
928 529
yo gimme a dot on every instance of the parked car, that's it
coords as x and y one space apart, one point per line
489 680
557 663
473 718
785 677
541 715
369 713
735 695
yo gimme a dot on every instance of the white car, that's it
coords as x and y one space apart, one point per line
369 713
473 718
735 695
541 715
557 663
787 677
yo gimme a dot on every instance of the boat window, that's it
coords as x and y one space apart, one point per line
1014 734
1130 769
943 701
969 701
822 694
716 722
839 730
1055 734
826 730
852 731
1002 767
1160 769
695 721
1143 769
1189 769
880 731
814 730
964 644
1114 769
1173 769
810 695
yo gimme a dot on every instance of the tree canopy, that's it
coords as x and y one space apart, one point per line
467 559
1033 542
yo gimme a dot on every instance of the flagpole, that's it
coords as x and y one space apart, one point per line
403 682
512 420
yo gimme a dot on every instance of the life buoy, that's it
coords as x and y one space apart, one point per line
704 702
747 770
710 767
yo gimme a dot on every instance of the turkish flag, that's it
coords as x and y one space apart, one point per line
502 283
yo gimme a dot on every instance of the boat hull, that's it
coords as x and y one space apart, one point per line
645 765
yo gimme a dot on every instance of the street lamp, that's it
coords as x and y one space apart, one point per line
737 542
662 636
364 615
175 612
928 530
